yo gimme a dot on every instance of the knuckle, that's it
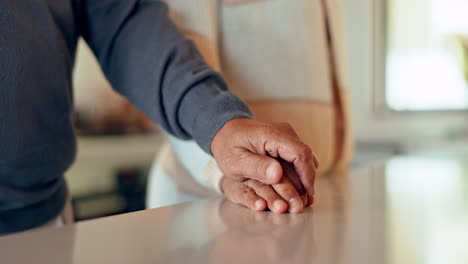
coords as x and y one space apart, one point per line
275 132
260 167
288 196
286 127
287 191
263 185
237 174
270 194
258 185
267 130
246 193
265 189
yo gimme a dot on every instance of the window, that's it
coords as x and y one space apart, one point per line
427 55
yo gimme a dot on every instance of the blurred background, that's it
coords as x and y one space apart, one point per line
408 76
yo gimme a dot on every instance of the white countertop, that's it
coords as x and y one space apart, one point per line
411 210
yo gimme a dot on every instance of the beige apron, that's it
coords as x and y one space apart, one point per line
285 58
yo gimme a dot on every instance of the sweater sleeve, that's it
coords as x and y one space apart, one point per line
149 61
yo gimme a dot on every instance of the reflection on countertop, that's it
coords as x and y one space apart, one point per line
411 210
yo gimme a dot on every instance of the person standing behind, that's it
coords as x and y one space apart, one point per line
285 59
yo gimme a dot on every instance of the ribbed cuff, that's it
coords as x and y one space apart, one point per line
207 107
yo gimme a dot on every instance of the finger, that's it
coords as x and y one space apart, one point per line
274 201
290 173
285 188
254 166
239 192
286 127
293 150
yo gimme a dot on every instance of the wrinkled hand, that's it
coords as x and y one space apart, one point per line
247 150
279 198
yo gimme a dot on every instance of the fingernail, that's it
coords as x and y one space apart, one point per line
295 205
259 204
279 205
271 171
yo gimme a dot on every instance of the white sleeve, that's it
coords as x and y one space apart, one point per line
201 166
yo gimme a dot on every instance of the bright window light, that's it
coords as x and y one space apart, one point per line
427 60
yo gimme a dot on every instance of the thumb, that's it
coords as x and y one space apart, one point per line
254 166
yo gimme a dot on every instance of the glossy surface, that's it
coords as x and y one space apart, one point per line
410 210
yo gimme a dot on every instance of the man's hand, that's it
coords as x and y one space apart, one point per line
248 149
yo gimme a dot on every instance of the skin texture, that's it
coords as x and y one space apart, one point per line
265 166
279 198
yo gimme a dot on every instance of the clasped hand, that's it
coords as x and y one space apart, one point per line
265 166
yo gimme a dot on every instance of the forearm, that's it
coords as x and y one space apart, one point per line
148 60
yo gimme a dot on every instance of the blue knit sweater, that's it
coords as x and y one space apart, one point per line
142 54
